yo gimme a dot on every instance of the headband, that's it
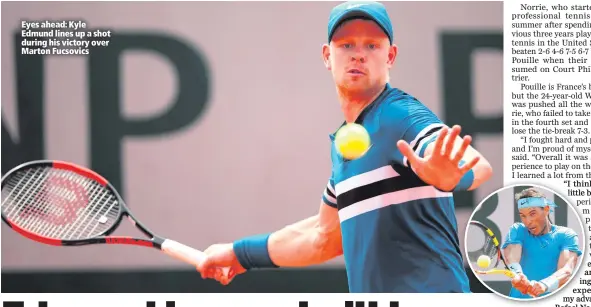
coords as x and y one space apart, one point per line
535 202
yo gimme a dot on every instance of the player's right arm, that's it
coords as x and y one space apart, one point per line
311 241
512 250
512 253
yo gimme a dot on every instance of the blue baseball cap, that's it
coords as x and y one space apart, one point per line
374 11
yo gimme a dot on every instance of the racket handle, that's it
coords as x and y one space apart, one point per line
183 252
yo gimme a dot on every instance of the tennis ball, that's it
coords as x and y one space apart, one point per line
483 261
352 141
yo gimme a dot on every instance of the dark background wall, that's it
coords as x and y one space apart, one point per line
321 280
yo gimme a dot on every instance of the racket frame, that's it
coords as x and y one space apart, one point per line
497 243
505 272
102 238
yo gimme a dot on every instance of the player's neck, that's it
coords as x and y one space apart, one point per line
547 228
352 104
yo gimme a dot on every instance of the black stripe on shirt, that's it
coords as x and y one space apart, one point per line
427 135
330 193
407 179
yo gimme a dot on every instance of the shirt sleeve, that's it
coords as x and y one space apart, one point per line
570 242
329 196
422 128
515 235
414 123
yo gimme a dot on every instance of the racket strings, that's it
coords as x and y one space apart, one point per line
73 230
61 214
491 250
83 226
480 243
58 204
29 207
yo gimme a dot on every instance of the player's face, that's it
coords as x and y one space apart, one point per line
359 56
534 219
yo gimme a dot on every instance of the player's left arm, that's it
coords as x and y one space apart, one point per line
567 262
566 266
438 155
482 170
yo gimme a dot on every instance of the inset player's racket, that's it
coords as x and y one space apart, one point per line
482 241
63 204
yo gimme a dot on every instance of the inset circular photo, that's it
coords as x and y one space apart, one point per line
524 242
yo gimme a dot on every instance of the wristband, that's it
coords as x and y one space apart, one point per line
252 252
551 283
515 267
466 181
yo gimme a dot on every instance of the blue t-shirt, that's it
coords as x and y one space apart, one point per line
399 233
539 254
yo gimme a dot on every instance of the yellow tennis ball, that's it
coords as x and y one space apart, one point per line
352 141
483 261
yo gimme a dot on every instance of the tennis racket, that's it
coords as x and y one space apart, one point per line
63 204
482 241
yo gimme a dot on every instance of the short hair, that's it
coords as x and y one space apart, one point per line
527 193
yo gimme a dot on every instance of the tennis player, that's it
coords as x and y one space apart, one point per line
391 212
542 254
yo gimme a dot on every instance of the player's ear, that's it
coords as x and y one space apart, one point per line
326 55
547 210
392 52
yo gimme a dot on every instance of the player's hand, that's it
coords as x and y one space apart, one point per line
441 169
220 256
537 289
521 283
